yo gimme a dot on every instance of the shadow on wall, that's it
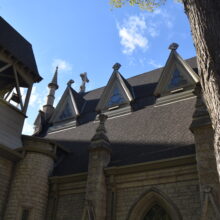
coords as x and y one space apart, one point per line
76 160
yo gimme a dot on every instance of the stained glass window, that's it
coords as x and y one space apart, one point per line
67 112
176 80
116 98
157 213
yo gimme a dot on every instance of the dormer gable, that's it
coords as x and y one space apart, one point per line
117 93
177 80
67 110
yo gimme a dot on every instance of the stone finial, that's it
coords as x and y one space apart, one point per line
53 83
116 66
173 46
84 81
100 139
102 119
70 82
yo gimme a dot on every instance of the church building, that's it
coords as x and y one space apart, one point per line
136 149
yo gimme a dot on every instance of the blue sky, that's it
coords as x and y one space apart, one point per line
87 36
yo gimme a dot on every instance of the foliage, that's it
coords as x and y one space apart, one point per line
148 5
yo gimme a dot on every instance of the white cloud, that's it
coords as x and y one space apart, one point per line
36 99
137 30
28 128
131 33
154 63
62 64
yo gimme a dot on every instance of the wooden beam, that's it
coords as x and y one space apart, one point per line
9 93
27 98
22 70
18 88
5 67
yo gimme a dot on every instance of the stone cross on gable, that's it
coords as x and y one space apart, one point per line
84 81
116 67
70 82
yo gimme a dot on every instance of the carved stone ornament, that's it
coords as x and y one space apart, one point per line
173 46
70 82
116 66
209 198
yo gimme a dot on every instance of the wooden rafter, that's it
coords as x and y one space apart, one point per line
18 88
23 71
5 67
27 98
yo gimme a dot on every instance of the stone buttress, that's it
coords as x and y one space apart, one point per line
206 162
96 189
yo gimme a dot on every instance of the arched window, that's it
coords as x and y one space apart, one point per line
154 205
157 213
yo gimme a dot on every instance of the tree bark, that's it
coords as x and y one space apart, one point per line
204 19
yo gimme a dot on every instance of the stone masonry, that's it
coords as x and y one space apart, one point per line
6 167
29 189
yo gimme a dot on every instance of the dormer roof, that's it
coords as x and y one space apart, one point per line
177 74
69 106
117 92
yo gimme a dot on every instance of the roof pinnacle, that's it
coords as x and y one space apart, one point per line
173 46
70 82
116 67
100 139
53 83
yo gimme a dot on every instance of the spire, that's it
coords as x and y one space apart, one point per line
84 81
53 86
53 83
100 139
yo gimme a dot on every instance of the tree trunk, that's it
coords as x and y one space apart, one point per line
204 18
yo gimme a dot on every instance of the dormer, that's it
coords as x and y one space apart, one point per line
18 73
68 110
177 80
117 96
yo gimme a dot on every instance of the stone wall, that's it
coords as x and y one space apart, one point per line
185 195
70 207
179 184
29 187
177 179
6 167
67 197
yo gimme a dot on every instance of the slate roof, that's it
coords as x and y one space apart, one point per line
148 133
19 47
